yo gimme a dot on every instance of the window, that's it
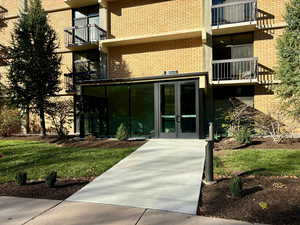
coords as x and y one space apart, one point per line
106 107
93 63
83 17
233 46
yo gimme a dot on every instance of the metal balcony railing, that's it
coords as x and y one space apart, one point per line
76 36
2 13
235 69
88 74
234 12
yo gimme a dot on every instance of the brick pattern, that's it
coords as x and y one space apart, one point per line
59 21
12 7
135 17
270 15
264 100
6 30
265 48
155 58
269 104
270 12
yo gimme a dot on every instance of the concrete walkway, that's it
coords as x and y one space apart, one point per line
17 211
25 211
162 174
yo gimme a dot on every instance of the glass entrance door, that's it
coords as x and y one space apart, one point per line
168 125
178 110
188 110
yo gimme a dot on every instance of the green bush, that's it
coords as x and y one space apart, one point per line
51 179
122 133
21 178
243 135
236 187
10 121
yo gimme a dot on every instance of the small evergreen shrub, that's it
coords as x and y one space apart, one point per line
51 179
236 187
243 135
21 178
122 133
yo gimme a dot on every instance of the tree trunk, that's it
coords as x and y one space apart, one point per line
43 124
27 120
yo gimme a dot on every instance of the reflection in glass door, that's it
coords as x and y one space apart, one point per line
178 110
167 107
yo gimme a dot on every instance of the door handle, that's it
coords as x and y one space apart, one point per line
178 119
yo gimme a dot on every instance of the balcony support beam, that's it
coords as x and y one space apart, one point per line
184 34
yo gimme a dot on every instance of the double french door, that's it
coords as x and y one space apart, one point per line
178 109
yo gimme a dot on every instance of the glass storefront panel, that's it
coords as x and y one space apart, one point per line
106 107
95 111
118 107
142 110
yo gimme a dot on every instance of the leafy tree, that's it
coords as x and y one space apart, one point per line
34 66
289 61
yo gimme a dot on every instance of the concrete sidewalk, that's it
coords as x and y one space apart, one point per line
23 211
164 174
17 211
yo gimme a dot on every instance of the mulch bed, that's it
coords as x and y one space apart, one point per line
105 143
282 196
38 189
257 143
81 143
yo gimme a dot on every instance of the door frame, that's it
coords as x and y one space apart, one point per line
178 133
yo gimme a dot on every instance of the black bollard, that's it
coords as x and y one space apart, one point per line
209 157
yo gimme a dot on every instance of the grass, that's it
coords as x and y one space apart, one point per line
39 158
265 162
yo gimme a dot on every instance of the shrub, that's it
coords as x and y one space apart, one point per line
276 125
21 178
91 138
243 135
60 115
236 187
122 133
51 179
10 121
240 115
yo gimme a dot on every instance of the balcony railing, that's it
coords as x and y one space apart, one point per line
2 13
89 34
86 73
234 12
73 79
235 69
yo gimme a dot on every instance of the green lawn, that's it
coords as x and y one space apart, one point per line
260 162
38 159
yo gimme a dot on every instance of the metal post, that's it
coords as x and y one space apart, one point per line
209 166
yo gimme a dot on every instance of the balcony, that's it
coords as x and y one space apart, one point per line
235 71
2 13
80 3
142 39
84 37
86 72
234 17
